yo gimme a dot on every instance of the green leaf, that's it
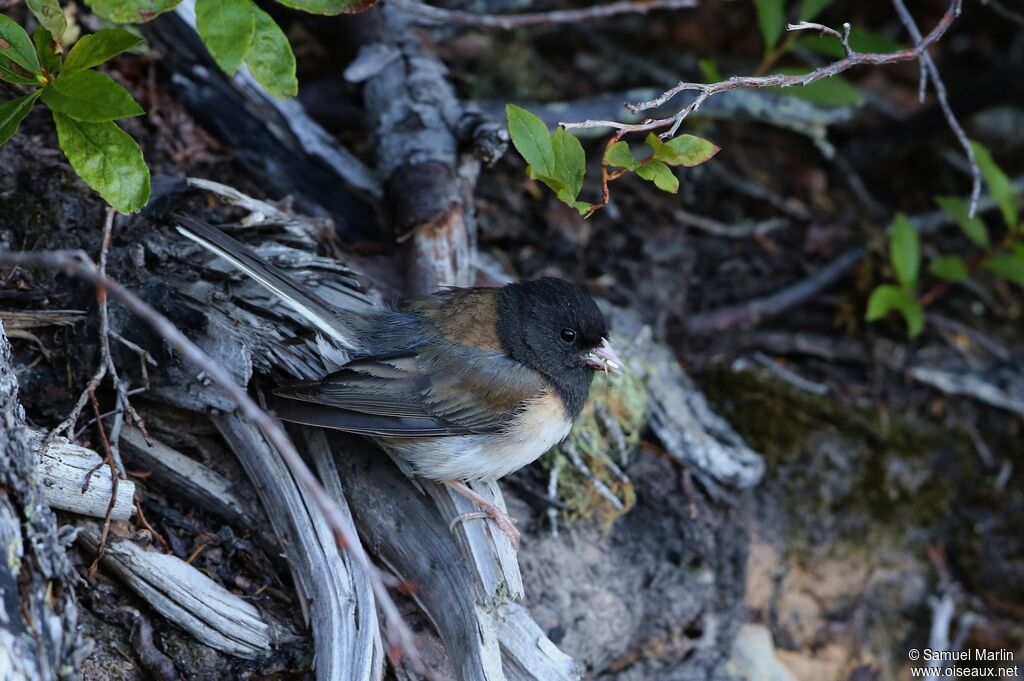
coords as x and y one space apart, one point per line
660 174
46 50
888 298
913 315
16 46
531 139
270 57
861 40
1009 266
227 28
684 150
904 251
90 96
12 113
771 18
709 69
619 156
809 9
570 161
99 47
329 6
834 91
13 73
958 210
884 299
108 159
948 268
131 11
582 207
50 15
998 185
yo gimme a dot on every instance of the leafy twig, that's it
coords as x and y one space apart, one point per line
77 263
507 22
707 90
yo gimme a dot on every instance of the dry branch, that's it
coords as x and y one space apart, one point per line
928 68
195 482
748 314
707 90
507 22
73 480
184 595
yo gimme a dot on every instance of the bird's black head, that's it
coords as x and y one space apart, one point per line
556 329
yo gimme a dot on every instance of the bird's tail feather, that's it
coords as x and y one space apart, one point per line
321 315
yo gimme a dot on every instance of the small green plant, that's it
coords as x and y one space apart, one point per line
1004 259
84 102
557 158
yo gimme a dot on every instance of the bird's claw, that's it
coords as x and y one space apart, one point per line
504 521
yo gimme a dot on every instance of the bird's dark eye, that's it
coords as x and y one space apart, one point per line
568 335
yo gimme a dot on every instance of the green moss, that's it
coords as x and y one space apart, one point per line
623 400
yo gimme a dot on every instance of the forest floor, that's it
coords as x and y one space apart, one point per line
882 495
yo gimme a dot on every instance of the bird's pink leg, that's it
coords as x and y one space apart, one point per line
505 522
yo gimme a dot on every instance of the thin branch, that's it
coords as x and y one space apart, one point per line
507 22
928 67
77 263
707 90
843 38
748 314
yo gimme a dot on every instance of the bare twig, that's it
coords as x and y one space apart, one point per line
77 263
707 90
928 67
1004 11
748 314
553 474
507 22
720 229
843 38
115 477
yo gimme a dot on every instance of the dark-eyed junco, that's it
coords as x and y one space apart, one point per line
466 384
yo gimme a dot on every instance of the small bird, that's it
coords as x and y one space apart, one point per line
466 384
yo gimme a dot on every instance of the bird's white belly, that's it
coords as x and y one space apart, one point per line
535 430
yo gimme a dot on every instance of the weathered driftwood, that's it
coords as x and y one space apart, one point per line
526 650
38 616
205 488
184 595
1001 386
63 469
320 574
365 659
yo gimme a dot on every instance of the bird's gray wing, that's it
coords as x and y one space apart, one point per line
446 390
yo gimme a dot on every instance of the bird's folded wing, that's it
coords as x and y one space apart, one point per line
433 393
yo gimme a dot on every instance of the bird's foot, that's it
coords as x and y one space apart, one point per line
504 521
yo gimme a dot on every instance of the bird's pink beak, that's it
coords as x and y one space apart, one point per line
603 358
